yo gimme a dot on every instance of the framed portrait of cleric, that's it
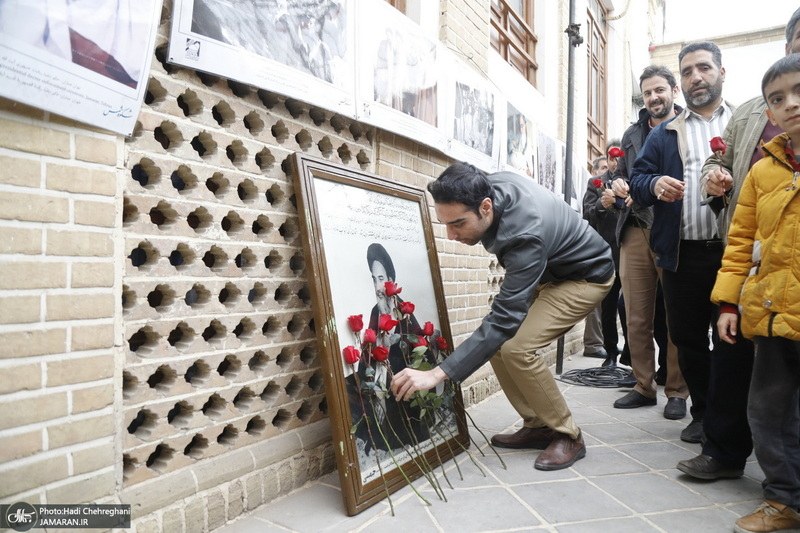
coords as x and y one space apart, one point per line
85 60
290 47
378 308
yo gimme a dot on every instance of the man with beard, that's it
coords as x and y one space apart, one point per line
684 235
724 175
637 268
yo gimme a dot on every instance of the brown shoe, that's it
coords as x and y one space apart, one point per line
769 516
536 438
562 453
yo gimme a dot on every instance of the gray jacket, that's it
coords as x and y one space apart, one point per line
742 134
537 238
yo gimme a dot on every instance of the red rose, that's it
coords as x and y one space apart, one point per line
391 288
718 145
356 322
597 182
441 343
420 342
406 308
427 328
370 336
380 353
386 323
616 152
351 355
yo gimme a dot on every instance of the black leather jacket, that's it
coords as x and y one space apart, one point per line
537 238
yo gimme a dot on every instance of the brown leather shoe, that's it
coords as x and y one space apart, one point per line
562 453
536 438
769 516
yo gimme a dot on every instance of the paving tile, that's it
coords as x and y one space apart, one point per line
292 511
251 524
696 521
647 493
486 509
604 460
656 455
619 525
494 415
618 433
569 501
722 490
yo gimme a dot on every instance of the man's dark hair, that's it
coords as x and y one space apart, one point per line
596 162
716 54
657 70
376 252
785 65
461 183
790 26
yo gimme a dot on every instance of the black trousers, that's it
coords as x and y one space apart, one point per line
718 378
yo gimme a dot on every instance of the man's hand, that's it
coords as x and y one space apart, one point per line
620 188
408 381
718 182
608 198
727 325
668 189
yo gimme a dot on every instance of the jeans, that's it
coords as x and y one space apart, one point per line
775 418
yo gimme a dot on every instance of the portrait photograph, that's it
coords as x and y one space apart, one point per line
521 142
362 232
399 74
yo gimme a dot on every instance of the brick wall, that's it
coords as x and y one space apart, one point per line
465 30
58 213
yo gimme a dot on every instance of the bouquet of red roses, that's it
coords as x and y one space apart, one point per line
386 426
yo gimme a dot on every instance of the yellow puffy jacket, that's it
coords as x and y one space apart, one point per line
761 266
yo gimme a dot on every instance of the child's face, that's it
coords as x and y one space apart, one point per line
783 101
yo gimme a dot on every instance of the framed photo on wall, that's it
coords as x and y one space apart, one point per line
359 231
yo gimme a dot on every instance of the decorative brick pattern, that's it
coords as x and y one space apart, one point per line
219 340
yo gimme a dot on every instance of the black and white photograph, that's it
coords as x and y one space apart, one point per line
548 163
83 59
521 142
399 74
287 46
473 121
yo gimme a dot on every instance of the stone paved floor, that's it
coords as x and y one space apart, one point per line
626 483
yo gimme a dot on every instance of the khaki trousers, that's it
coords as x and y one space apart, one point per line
639 277
524 376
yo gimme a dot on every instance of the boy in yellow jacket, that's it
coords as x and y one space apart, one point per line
760 277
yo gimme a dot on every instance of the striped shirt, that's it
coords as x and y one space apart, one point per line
698 221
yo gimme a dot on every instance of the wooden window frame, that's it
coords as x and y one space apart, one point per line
597 85
512 36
